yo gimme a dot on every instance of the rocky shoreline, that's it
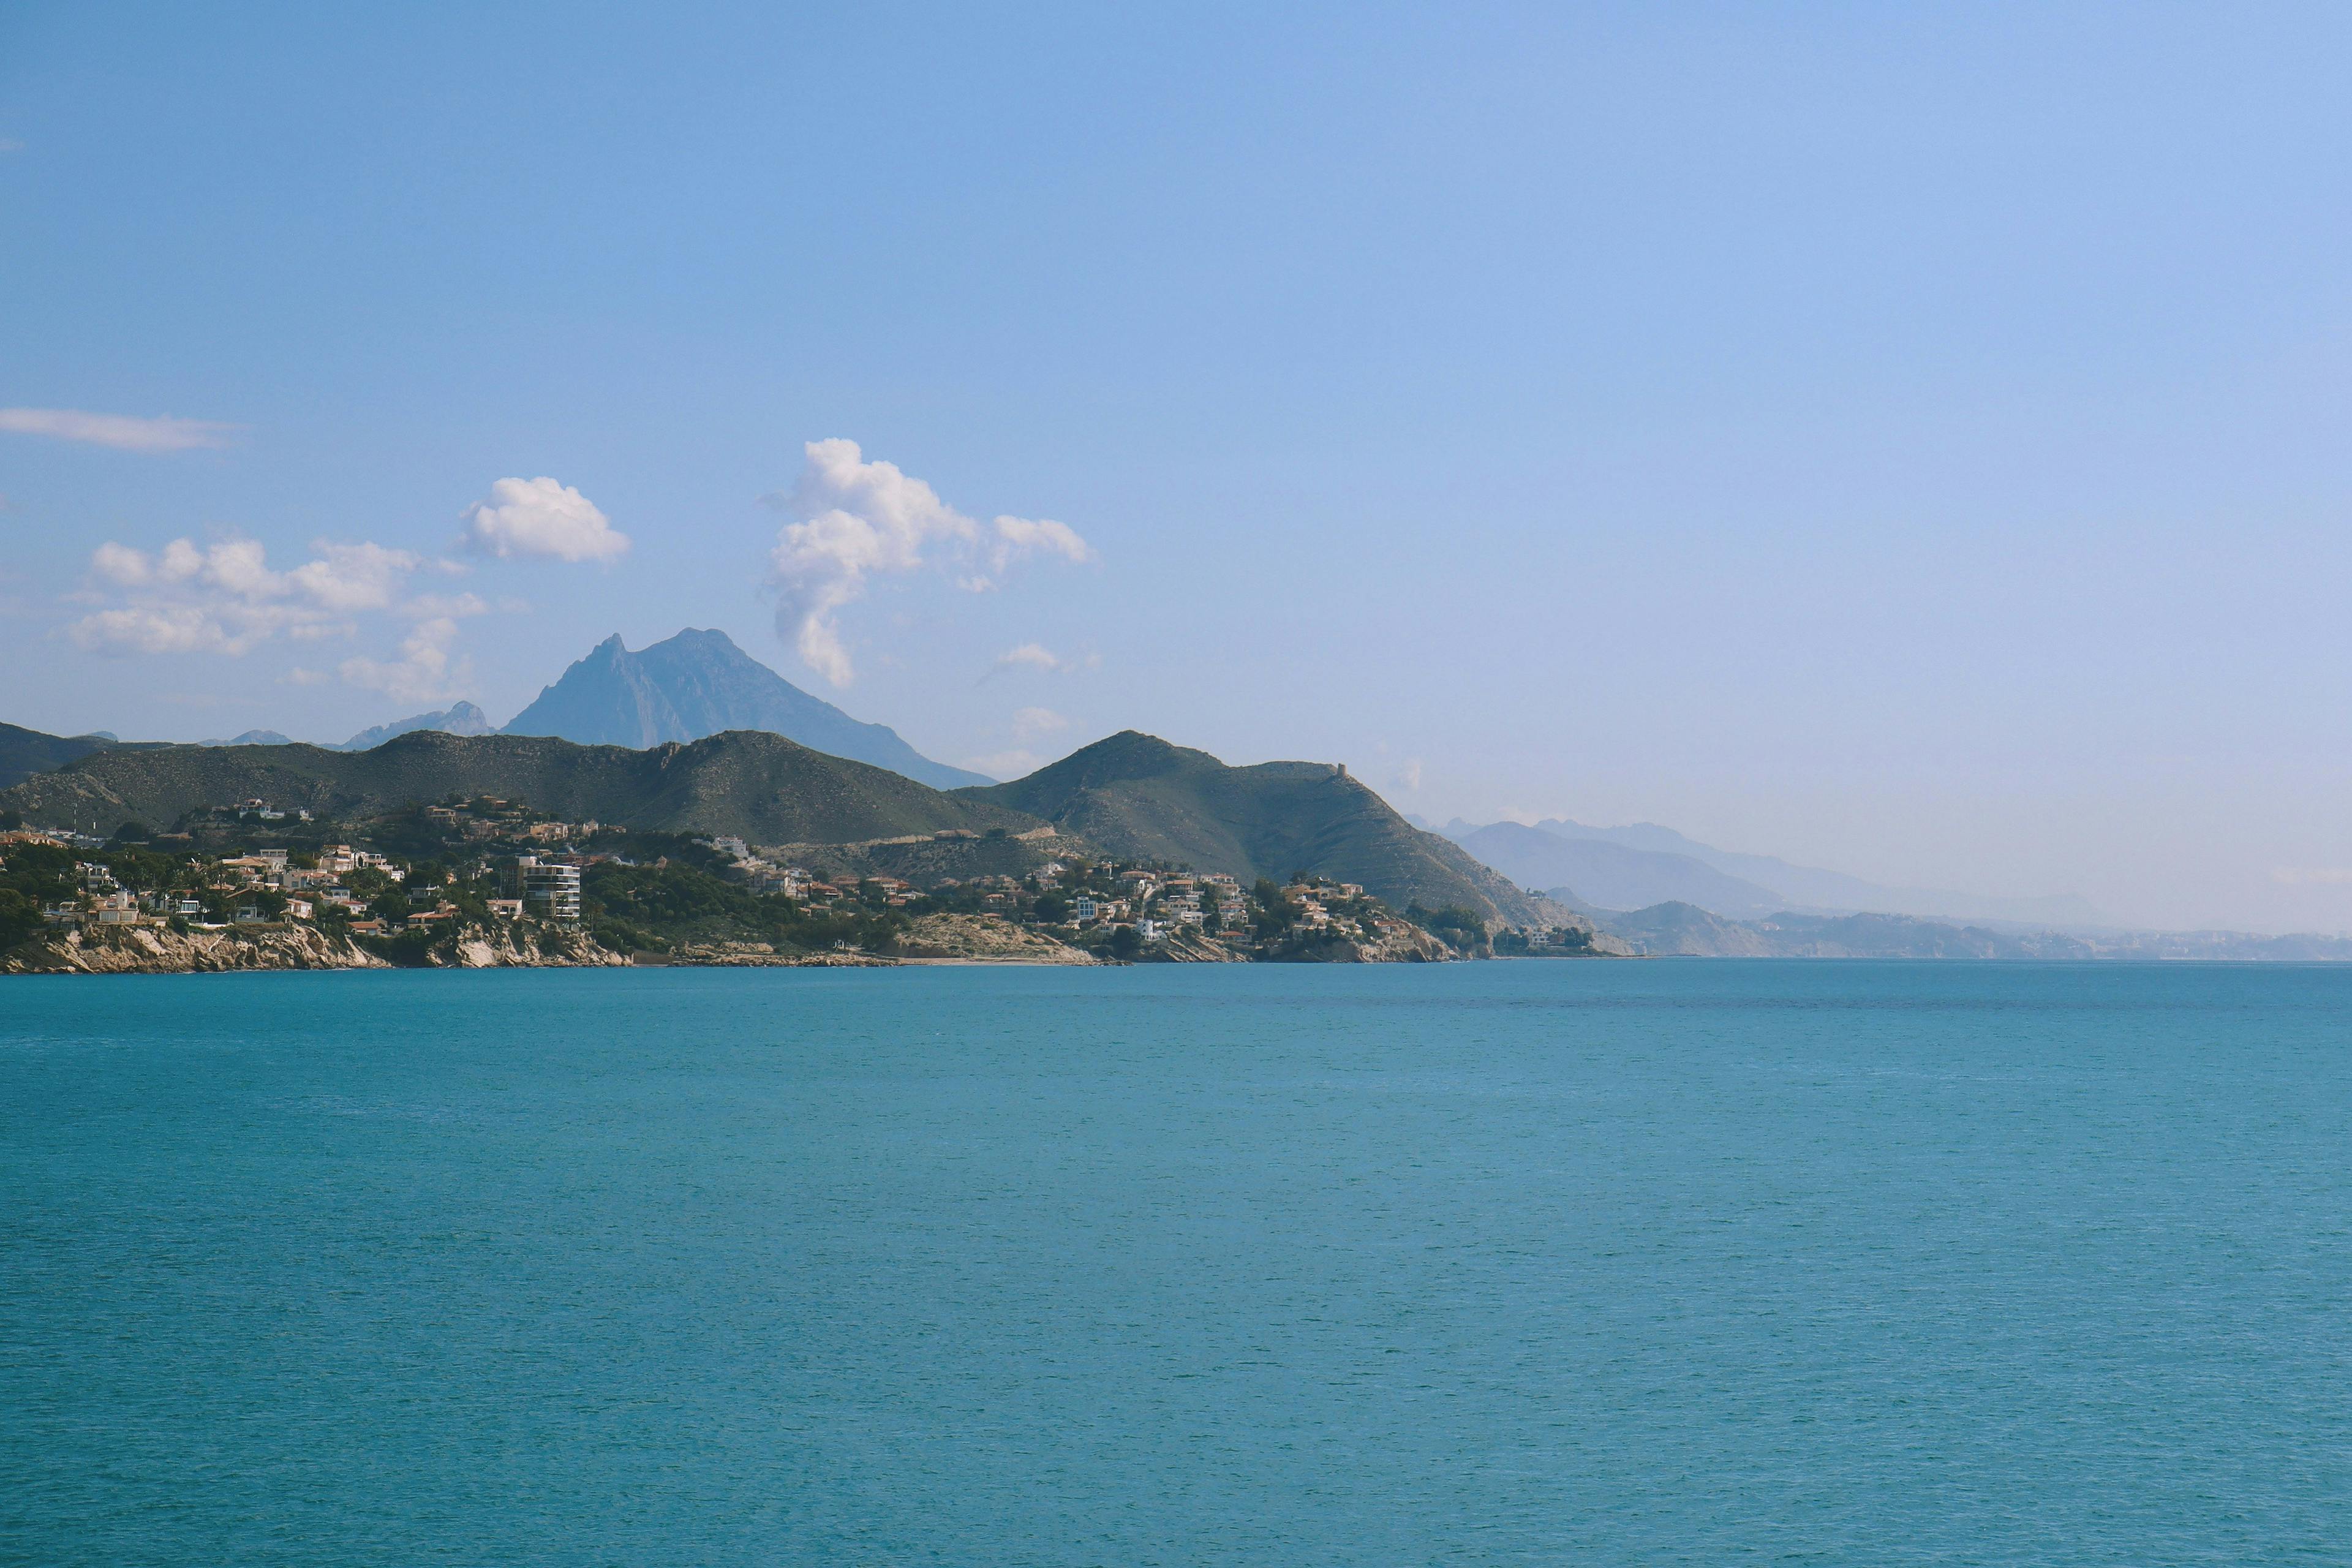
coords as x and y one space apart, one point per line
151 950
938 939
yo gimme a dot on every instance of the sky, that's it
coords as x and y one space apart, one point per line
1902 439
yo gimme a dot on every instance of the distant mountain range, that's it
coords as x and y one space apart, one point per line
1138 796
699 683
745 783
459 719
1132 796
1636 867
1679 929
1605 876
695 685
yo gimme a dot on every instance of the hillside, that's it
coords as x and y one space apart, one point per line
1138 796
759 786
699 683
1676 929
1811 887
1685 930
1612 875
24 752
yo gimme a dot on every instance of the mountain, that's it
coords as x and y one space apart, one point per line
24 752
250 737
1808 887
461 718
1678 929
1138 796
759 786
699 683
1611 876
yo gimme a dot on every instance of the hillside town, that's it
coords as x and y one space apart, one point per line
489 875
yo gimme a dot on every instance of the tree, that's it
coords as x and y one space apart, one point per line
20 918
1126 941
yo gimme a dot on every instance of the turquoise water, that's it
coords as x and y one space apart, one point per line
1816 1263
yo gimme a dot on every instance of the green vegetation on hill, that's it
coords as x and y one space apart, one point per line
640 908
746 784
24 752
1140 797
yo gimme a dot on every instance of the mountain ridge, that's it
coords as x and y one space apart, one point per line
1139 796
698 683
458 718
1813 888
1644 864
1612 876
753 785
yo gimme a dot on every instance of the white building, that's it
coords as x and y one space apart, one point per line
551 889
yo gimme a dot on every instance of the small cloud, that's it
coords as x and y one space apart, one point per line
352 576
1408 774
10 144
1030 656
432 606
855 520
1012 765
2314 876
225 599
298 675
157 629
1028 723
1020 536
422 673
320 631
543 518
124 432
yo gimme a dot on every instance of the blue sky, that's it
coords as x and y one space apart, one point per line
1904 439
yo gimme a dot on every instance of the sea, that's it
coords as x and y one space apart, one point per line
1666 1262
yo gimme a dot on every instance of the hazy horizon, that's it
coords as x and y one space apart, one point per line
1903 443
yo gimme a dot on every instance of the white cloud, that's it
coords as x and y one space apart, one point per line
424 671
1020 536
1028 723
352 576
123 432
10 144
120 564
540 517
158 628
225 599
2312 876
1016 763
455 606
1038 657
853 520
1030 656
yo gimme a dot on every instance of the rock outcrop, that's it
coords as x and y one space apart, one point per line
983 939
506 947
151 950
